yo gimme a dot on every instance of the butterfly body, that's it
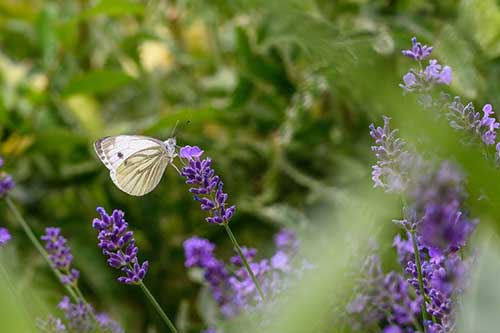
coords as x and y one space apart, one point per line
136 163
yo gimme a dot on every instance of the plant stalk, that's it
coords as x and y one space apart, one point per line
244 260
157 307
420 279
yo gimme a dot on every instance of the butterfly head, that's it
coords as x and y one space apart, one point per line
171 145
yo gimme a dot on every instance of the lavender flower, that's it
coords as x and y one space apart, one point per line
60 255
82 318
118 244
424 79
418 51
199 252
5 236
6 181
395 166
232 286
78 316
107 324
51 325
383 298
207 187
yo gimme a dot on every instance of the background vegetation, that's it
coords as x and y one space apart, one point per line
279 93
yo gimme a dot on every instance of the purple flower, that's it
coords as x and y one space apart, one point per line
78 315
118 244
80 318
424 79
190 153
444 227
198 251
206 186
248 253
5 236
286 240
418 51
6 181
51 325
232 286
107 324
395 166
60 255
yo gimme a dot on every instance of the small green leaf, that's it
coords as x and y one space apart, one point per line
100 81
114 8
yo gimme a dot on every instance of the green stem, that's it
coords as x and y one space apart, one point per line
157 307
244 260
37 244
420 278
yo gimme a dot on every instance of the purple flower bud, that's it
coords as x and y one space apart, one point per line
5 236
118 244
418 51
206 186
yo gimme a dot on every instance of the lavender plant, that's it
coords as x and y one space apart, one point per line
436 225
118 244
208 190
231 285
5 236
480 128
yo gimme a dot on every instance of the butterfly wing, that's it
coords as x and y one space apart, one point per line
136 163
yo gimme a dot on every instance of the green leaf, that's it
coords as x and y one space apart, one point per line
99 81
114 8
168 121
481 18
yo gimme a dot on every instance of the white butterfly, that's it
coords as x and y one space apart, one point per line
136 163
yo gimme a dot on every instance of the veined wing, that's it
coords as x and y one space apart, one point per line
141 172
136 163
113 150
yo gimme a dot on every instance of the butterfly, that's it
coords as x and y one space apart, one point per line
136 163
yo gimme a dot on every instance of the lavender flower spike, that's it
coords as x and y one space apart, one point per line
206 186
6 181
118 244
418 51
60 255
4 236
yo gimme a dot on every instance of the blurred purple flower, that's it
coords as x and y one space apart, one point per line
418 51
424 79
118 243
60 255
207 187
232 286
395 165
249 254
6 181
5 236
51 325
80 318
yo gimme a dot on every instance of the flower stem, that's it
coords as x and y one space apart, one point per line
420 279
244 260
37 244
157 307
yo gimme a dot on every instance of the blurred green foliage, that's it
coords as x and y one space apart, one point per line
279 93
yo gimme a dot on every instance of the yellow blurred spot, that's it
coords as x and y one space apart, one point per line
86 111
16 144
197 37
38 82
155 55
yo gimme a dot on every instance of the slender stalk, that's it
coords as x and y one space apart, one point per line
244 260
37 244
420 278
157 307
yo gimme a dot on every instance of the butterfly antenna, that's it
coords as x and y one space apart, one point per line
174 129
